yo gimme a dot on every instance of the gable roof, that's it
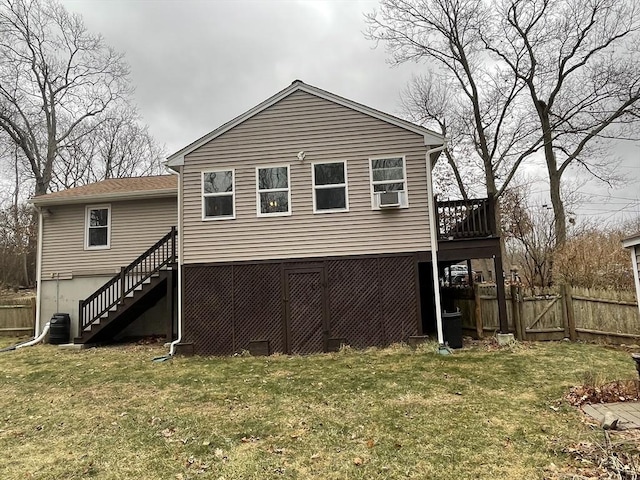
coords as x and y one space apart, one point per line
430 137
129 188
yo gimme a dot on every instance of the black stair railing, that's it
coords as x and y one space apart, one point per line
158 257
464 219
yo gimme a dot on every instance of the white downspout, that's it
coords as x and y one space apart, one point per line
180 230
39 272
636 273
433 235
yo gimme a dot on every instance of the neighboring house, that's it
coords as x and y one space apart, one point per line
633 244
305 223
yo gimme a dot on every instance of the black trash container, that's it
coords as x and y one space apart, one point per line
59 328
452 328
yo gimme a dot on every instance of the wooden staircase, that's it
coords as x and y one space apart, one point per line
129 294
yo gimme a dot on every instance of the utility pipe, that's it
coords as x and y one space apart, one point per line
39 270
38 339
172 348
433 235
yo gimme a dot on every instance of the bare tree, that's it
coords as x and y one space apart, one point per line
467 96
580 62
119 146
561 77
529 232
55 77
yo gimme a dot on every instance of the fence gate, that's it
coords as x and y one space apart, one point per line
305 311
542 316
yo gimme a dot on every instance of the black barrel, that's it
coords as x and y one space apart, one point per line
452 328
59 328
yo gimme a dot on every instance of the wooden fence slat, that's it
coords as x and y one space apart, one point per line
542 314
478 311
17 315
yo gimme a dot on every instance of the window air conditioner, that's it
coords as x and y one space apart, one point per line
389 199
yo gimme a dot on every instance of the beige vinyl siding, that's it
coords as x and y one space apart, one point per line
135 226
326 132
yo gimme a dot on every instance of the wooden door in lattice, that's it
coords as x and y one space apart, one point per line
305 311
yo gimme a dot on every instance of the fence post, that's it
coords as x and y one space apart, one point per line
33 307
478 311
569 314
515 309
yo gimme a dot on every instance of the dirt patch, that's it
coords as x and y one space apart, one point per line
617 456
618 391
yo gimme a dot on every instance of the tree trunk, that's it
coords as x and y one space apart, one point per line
559 221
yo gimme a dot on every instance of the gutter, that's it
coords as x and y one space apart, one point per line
434 243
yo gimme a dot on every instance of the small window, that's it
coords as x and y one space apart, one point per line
274 194
218 195
330 187
388 175
98 226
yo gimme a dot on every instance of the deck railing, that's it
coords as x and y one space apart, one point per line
158 257
466 219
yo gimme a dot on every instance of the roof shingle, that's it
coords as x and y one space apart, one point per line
113 187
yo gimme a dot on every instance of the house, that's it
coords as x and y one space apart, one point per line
303 224
633 244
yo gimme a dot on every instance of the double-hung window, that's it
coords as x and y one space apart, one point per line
330 187
218 194
97 227
388 175
273 191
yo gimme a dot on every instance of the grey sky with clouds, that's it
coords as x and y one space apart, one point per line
198 64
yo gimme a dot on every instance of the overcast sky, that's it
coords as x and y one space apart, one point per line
198 64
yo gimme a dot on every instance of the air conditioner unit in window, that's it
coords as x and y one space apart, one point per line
389 199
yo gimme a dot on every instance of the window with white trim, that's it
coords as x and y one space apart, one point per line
273 192
388 175
218 194
330 187
97 227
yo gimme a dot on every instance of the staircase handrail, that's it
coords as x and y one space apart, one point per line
116 289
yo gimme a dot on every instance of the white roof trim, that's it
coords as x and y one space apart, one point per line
99 197
430 138
631 241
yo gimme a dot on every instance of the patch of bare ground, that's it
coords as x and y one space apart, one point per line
611 392
617 456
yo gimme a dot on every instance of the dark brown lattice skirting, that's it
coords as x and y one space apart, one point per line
301 307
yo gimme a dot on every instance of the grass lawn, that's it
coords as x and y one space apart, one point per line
111 413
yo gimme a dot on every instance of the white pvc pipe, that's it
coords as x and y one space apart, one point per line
433 234
172 348
39 271
636 271
38 339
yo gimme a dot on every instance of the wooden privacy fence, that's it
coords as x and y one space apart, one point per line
17 316
552 314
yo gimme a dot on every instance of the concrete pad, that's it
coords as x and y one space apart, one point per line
72 346
505 339
627 412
